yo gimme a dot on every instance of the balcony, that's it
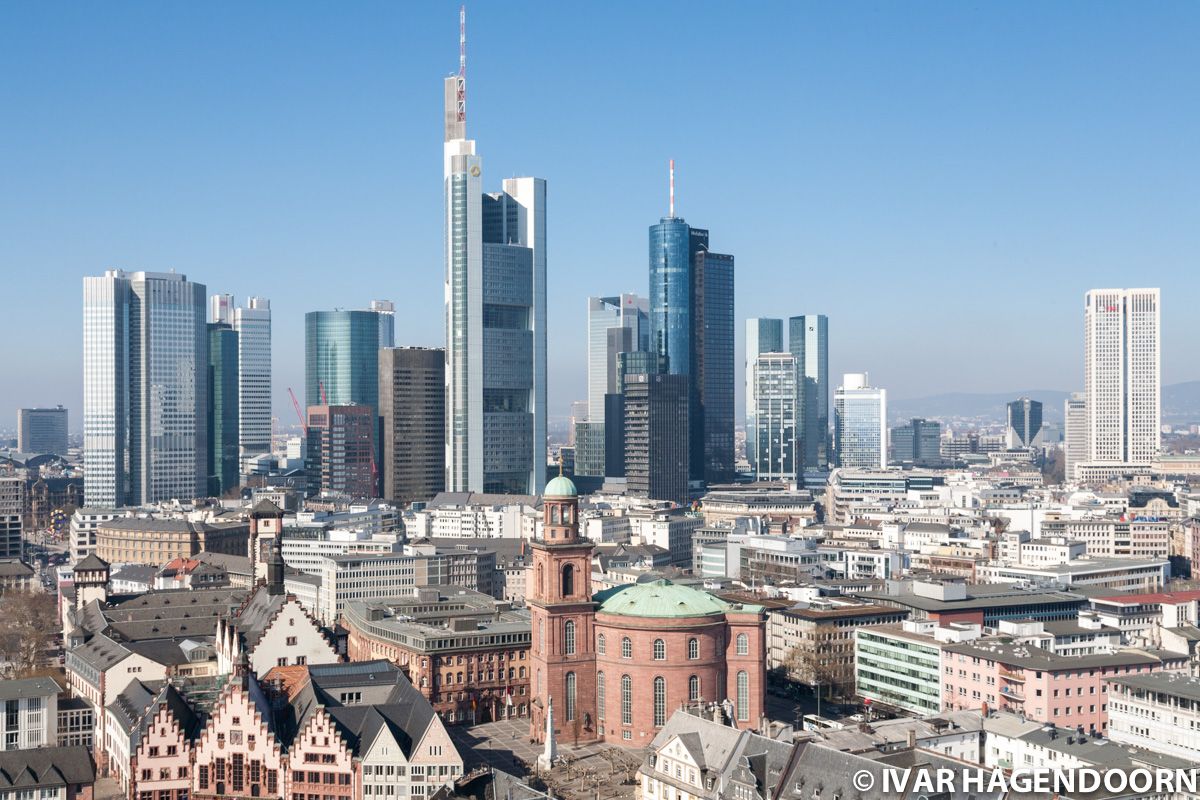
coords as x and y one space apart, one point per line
1016 677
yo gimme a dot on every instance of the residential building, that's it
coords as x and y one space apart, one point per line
1024 424
1122 374
860 423
222 418
412 410
762 336
776 414
48 773
808 340
656 436
341 450
145 388
42 430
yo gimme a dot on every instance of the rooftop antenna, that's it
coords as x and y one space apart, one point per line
671 211
462 65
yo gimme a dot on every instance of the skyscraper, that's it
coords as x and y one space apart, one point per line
656 436
1075 433
860 423
386 310
1122 374
495 318
918 442
776 409
222 416
340 455
253 325
808 339
762 336
412 408
1024 424
616 325
341 358
145 388
714 361
42 430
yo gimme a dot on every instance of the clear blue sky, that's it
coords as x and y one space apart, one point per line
944 180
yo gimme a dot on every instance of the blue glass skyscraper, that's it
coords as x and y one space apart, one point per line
341 357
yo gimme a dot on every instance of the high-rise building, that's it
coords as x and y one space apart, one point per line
1075 433
222 416
12 515
495 319
762 336
386 310
145 388
630 315
860 423
917 442
412 407
42 430
656 436
637 362
692 325
1122 374
776 409
341 358
1024 424
808 340
253 325
341 450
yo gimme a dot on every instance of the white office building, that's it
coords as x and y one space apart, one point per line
253 325
762 336
1075 433
860 423
1122 374
776 416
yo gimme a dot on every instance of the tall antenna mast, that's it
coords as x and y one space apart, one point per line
462 65
671 212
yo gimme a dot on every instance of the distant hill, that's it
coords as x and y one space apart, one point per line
1180 403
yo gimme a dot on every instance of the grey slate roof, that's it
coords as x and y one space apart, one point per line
46 767
28 687
721 751
91 562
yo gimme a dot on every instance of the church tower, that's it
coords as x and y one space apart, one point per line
266 534
559 595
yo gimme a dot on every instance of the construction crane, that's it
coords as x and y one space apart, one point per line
299 413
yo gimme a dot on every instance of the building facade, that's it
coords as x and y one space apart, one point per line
762 336
918 442
412 410
1075 433
222 417
776 414
341 358
42 430
341 450
860 423
253 325
657 433
1024 424
808 339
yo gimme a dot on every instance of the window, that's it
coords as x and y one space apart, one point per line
600 696
660 702
660 650
291 641
570 690
743 644
626 700
626 647
693 649
743 696
694 688
568 580
569 638
600 644
541 636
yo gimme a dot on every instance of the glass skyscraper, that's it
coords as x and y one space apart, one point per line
776 410
762 336
1024 424
618 324
145 388
860 423
341 355
222 416
253 326
495 320
808 340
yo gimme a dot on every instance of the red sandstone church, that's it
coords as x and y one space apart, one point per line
617 664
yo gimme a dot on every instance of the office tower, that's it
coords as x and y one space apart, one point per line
1075 433
341 358
222 417
1122 374
656 437
917 442
42 430
495 319
1024 424
221 308
637 362
860 423
145 388
253 325
808 340
340 454
12 514
776 409
762 336
692 326
412 407
630 315
386 310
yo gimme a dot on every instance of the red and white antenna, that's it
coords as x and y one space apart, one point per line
462 64
671 212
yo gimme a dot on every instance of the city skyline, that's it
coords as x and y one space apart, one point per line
267 238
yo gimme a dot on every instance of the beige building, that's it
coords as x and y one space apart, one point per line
157 541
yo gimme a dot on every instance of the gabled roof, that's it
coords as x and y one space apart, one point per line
46 766
91 562
255 617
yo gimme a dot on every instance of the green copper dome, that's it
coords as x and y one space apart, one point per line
560 487
659 599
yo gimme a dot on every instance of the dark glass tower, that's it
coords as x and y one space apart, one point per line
341 355
808 340
222 417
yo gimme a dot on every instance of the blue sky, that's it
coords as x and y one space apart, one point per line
944 180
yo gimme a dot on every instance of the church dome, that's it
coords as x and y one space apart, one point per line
659 598
561 486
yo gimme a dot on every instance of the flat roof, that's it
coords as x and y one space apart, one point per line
1172 683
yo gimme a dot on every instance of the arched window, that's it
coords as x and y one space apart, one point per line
694 688
538 693
660 702
626 700
626 648
570 689
743 696
569 638
554 515
601 644
521 672
660 650
541 586
568 580
600 698
743 644
693 649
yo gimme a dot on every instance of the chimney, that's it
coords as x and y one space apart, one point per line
911 739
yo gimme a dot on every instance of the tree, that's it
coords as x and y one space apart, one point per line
28 627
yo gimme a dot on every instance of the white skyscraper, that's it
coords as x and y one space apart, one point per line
860 423
253 324
1075 434
386 310
495 318
762 336
776 414
630 316
1122 374
145 388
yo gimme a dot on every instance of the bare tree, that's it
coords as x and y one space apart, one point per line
28 626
